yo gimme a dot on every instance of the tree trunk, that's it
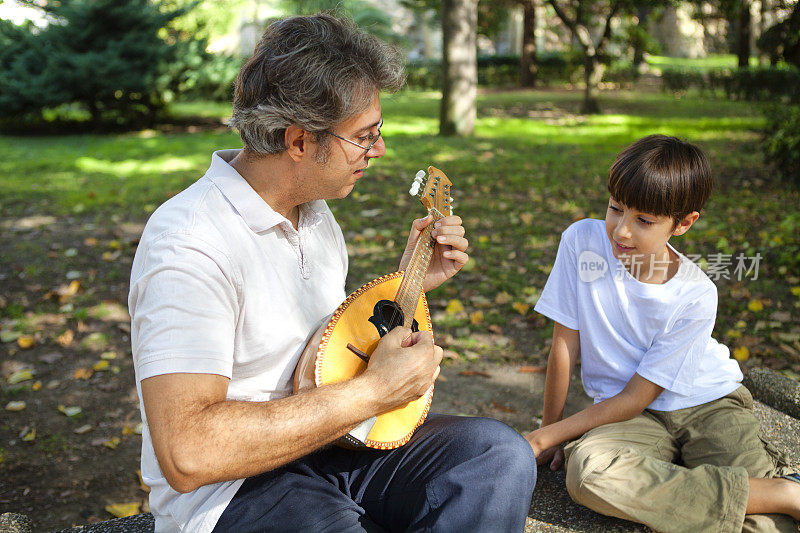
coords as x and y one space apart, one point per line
638 48
460 67
745 24
528 65
592 74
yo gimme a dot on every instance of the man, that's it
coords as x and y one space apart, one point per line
231 278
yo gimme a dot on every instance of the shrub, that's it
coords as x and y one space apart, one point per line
759 84
108 56
498 71
782 142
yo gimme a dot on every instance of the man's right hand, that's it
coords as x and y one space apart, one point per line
403 366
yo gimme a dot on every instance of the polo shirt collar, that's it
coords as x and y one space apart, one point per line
257 213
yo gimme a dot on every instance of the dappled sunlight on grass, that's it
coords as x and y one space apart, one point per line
133 167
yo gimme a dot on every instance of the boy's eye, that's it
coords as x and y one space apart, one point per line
614 208
645 221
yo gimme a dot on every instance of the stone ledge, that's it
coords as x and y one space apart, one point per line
775 390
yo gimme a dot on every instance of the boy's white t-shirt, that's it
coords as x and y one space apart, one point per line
661 332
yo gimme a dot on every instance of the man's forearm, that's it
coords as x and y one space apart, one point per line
226 440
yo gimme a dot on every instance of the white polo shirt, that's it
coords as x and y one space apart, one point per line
222 284
661 332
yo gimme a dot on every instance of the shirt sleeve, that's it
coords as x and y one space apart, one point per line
559 299
183 306
673 360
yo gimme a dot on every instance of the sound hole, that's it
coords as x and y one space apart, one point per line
387 315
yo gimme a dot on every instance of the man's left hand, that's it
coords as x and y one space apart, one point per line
449 255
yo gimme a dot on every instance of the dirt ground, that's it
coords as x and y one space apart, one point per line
69 419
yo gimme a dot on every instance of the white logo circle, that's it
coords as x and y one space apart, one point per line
591 266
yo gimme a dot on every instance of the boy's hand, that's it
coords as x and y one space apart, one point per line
532 439
554 455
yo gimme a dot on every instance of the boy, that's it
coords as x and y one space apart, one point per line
671 440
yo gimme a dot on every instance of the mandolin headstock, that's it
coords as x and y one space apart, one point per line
435 192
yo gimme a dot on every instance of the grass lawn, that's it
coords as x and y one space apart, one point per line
712 61
533 166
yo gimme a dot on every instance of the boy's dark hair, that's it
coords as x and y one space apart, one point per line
661 175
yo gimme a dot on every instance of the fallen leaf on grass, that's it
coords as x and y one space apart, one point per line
26 342
454 307
121 510
112 443
28 435
742 353
503 298
20 376
142 484
86 428
70 411
83 373
128 430
755 305
504 408
520 307
532 369
100 365
476 317
16 406
108 356
64 293
494 328
9 336
36 386
475 373
66 338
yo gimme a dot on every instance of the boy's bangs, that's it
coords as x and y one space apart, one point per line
643 192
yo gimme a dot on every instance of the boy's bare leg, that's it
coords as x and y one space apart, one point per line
774 495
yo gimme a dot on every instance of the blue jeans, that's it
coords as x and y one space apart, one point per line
455 474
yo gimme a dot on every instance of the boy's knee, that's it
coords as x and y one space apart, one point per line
584 471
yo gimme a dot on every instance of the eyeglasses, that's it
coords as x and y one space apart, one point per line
365 148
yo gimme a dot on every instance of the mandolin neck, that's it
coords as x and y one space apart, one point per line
411 287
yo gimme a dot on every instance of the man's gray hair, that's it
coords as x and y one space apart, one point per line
313 72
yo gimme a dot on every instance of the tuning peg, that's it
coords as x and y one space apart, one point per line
420 175
414 190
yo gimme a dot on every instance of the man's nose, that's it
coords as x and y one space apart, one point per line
378 149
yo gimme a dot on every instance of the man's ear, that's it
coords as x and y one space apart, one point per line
685 223
296 140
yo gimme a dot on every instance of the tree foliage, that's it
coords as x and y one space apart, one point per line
116 59
782 40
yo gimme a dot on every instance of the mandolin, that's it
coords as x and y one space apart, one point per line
340 348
